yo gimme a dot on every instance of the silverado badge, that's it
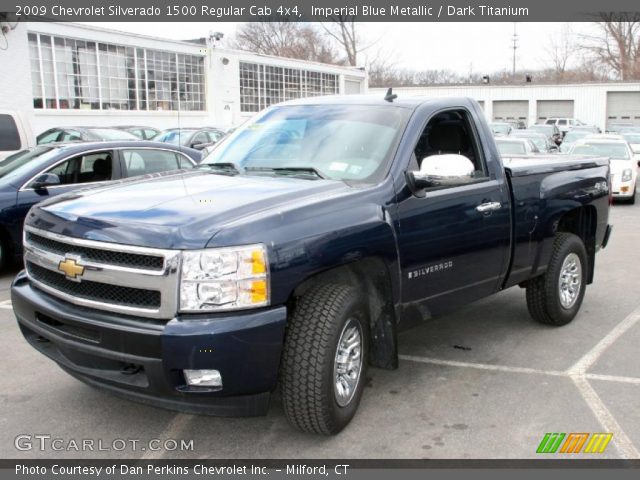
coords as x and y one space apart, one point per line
71 269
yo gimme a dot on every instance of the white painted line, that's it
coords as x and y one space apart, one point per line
174 430
612 378
481 366
587 361
6 305
602 413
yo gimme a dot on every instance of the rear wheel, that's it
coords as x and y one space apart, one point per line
325 359
555 297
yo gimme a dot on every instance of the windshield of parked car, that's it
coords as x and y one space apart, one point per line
537 139
546 129
616 151
632 137
113 134
12 164
511 148
574 136
500 128
175 137
350 143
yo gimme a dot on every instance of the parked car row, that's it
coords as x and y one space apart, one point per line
198 138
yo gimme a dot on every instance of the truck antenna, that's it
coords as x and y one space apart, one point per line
390 96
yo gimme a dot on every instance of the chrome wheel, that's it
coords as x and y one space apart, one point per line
570 280
347 365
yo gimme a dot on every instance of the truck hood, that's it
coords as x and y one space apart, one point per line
177 210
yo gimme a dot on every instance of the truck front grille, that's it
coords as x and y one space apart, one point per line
108 257
132 280
96 291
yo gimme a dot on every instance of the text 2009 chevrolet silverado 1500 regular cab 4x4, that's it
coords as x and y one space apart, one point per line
295 254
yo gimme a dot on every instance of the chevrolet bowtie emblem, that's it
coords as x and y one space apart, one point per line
71 269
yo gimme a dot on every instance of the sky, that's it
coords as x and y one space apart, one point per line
463 47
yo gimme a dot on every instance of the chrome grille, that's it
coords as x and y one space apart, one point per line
108 257
95 291
118 278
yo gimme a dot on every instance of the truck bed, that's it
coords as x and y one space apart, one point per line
519 166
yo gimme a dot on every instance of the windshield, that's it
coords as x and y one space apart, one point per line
511 148
175 137
632 137
352 143
500 128
113 134
573 136
14 162
542 128
616 151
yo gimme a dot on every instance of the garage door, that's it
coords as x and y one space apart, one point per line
554 109
623 107
351 87
504 110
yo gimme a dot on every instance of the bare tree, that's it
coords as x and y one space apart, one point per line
559 50
343 30
617 44
303 41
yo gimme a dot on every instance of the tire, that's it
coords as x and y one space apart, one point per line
632 200
545 301
321 318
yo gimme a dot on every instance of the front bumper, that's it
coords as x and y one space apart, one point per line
143 359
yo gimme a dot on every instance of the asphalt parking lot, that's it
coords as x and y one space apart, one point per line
484 382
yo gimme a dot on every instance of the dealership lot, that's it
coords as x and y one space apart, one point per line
484 382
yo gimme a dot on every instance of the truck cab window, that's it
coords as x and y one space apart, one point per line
451 132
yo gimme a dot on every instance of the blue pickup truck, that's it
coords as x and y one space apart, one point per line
296 252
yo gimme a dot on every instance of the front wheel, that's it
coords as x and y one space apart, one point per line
325 358
555 297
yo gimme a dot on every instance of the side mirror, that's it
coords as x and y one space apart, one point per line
45 180
442 171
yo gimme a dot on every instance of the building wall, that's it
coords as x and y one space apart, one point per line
221 71
15 73
590 100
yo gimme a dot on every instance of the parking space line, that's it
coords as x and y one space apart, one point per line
6 304
603 415
612 378
480 366
591 357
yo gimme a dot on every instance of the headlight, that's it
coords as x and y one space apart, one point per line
217 279
626 174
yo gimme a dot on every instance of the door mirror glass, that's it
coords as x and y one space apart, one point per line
46 180
443 171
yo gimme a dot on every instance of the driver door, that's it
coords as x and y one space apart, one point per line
452 249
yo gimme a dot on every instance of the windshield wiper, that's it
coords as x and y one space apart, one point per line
288 170
226 168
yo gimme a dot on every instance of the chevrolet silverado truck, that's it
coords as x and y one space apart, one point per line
298 250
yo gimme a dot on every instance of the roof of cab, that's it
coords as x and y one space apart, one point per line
412 101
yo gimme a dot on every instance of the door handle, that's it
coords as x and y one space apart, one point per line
489 207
